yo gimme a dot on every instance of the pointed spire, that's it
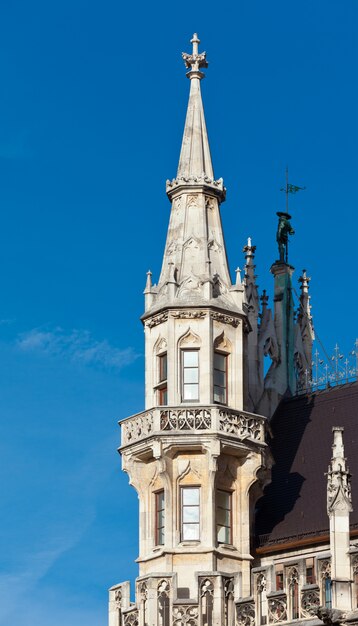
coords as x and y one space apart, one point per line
148 284
304 317
252 296
195 159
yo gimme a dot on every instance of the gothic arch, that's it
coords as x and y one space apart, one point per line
189 340
222 343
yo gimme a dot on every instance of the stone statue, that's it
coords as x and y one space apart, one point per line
283 230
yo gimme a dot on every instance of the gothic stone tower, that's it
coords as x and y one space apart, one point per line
194 454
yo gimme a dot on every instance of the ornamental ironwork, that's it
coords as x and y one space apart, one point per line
330 371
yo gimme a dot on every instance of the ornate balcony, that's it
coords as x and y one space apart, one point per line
195 419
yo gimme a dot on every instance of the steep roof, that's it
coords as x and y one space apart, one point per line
294 503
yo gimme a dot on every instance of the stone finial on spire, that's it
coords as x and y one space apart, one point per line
148 294
252 296
339 479
193 62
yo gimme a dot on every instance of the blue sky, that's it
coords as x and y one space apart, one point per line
92 107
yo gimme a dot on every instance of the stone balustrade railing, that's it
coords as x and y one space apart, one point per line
212 418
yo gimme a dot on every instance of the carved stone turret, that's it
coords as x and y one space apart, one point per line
339 506
194 452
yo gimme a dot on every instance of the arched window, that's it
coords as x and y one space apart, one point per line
189 346
229 602
222 348
293 593
261 599
164 603
206 594
326 584
143 594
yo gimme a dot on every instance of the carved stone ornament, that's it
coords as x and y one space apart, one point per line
185 419
189 339
245 614
277 609
192 201
188 315
131 619
221 342
229 587
339 496
164 587
355 564
185 615
330 617
157 319
292 576
118 598
240 425
143 592
206 586
160 345
310 602
261 583
137 427
325 568
209 203
225 319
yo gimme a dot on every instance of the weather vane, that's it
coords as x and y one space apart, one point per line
284 228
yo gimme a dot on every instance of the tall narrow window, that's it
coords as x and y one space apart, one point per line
159 518
220 378
207 592
327 592
261 599
293 586
310 573
229 605
190 374
279 576
162 379
223 516
163 603
190 513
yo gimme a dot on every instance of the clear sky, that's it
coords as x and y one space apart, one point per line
92 107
